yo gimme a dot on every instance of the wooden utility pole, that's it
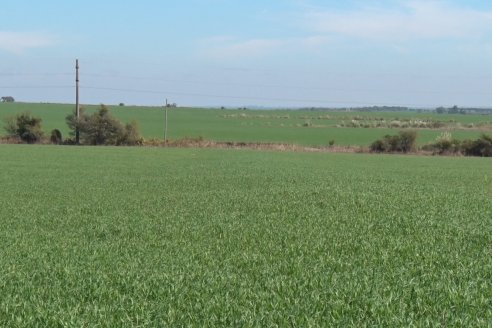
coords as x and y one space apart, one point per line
77 105
165 123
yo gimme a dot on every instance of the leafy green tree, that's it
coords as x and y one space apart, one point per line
25 127
102 128
7 99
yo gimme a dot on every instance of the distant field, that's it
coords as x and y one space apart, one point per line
314 128
157 237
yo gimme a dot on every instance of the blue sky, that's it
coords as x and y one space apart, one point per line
243 53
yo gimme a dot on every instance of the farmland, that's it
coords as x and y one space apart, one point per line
308 128
108 236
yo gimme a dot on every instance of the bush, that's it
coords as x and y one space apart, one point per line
130 136
69 142
56 137
404 142
378 146
25 127
480 147
447 147
444 144
102 128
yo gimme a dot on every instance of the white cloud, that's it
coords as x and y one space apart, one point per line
224 47
19 42
412 20
228 47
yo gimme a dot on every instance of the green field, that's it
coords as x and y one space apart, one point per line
279 126
156 237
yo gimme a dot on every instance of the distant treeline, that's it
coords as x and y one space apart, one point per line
364 109
438 110
464 110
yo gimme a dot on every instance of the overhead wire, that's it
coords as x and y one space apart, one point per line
221 96
256 98
296 87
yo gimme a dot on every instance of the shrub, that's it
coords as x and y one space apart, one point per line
404 142
480 147
56 137
130 135
25 127
444 144
69 141
102 128
379 146
447 147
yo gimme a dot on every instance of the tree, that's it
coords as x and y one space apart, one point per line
25 127
7 99
454 110
102 128
441 110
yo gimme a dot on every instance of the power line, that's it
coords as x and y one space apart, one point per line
217 96
38 87
296 100
32 74
296 87
249 85
237 97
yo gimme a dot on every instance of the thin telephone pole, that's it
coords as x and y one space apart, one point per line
77 105
165 124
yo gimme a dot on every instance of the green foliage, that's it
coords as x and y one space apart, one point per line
75 123
7 99
102 128
228 125
25 127
404 142
480 147
130 135
445 144
56 137
215 238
